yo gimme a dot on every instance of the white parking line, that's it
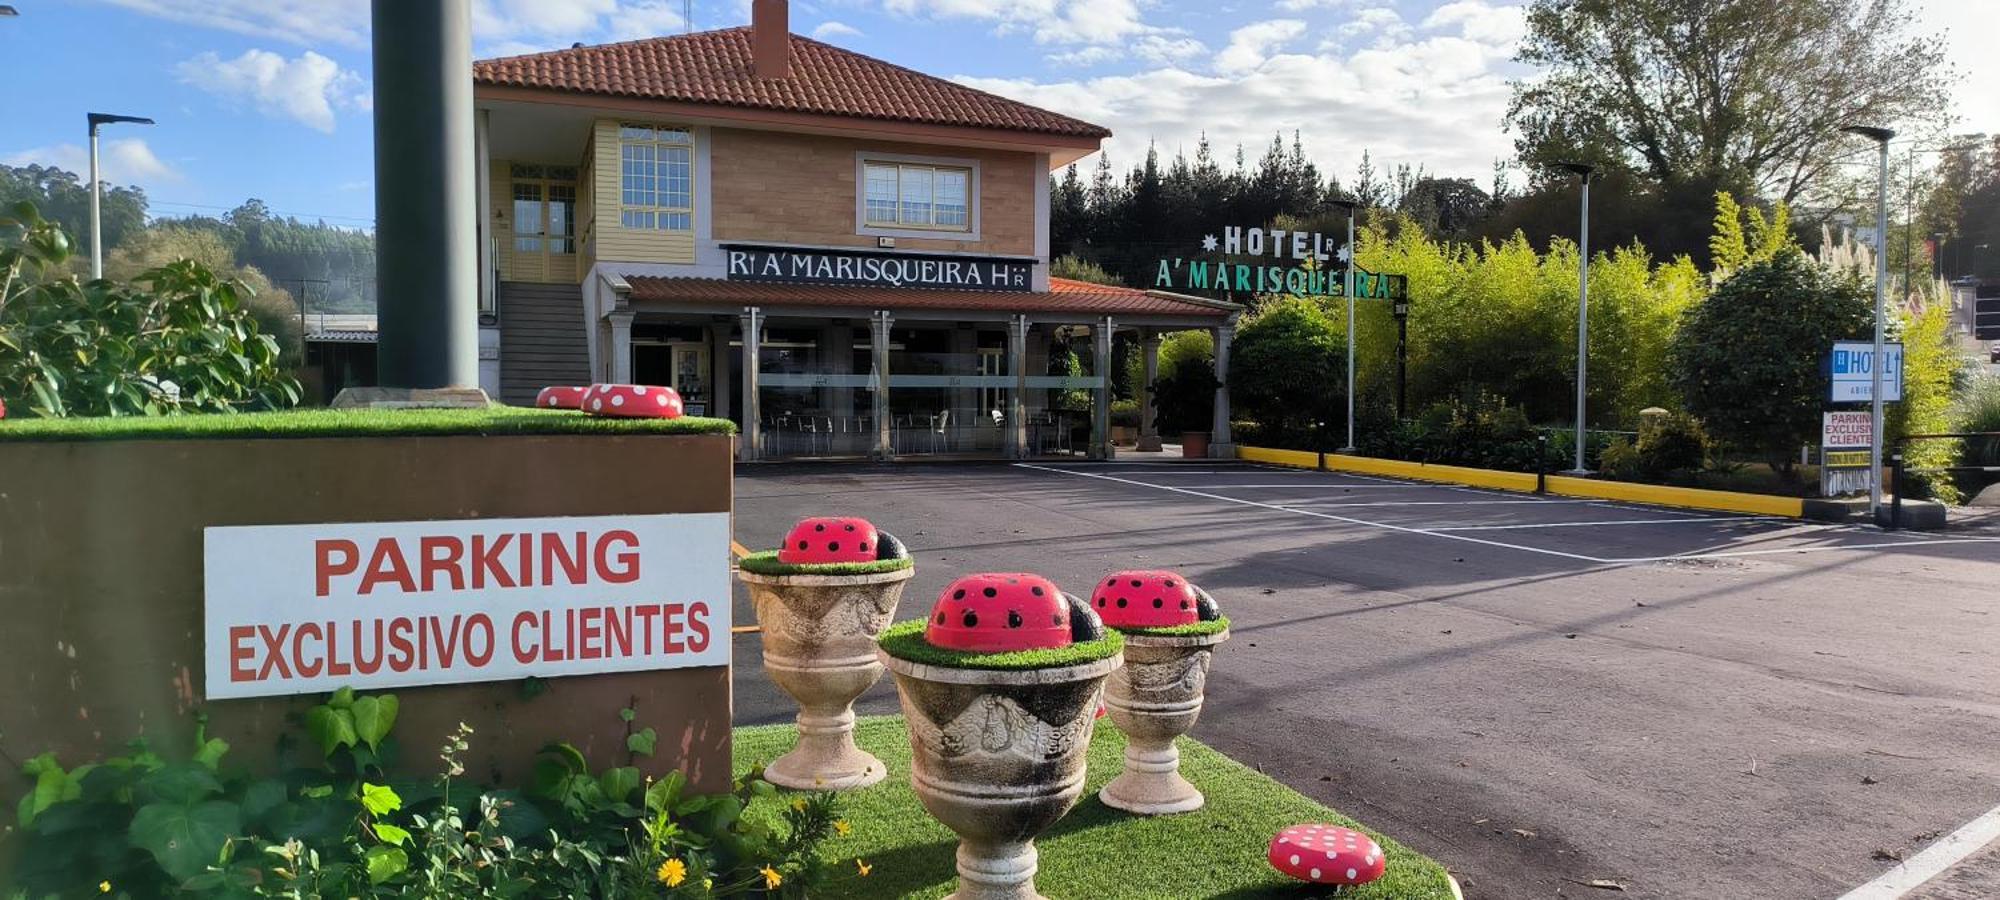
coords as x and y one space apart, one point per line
1330 484
1450 536
1677 521
1942 854
1317 502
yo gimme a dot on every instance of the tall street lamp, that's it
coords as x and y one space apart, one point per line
1347 290
1881 138
98 120
1583 172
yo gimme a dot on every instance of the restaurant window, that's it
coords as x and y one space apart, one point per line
906 195
656 178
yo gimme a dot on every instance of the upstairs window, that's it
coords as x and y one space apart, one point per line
905 195
655 178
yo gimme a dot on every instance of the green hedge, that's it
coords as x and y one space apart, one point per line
765 562
318 423
1192 629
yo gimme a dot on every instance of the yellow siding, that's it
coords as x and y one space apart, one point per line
614 242
501 185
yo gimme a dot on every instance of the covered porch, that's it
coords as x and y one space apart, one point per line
865 372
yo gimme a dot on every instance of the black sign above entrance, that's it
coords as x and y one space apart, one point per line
789 265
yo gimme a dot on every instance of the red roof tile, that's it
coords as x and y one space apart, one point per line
1063 295
715 67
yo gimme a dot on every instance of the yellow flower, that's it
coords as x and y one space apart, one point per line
104 887
799 803
771 878
863 867
840 827
673 872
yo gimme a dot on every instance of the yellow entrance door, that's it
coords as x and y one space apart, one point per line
542 244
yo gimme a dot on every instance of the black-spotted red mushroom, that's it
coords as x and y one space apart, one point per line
1327 854
632 401
838 539
1154 598
561 397
999 612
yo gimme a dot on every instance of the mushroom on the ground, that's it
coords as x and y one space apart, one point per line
561 397
834 539
998 612
1327 854
632 401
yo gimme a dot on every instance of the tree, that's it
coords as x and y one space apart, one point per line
1747 360
1722 93
179 341
1445 207
277 314
64 199
1287 368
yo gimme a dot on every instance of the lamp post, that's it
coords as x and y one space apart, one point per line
1583 172
1881 138
1347 290
98 120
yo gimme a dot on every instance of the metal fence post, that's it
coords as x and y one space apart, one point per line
1541 463
1896 498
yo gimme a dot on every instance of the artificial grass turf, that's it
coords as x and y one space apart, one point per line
1095 851
905 640
319 423
1192 629
765 562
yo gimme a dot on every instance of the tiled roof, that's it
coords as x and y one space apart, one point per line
1063 295
715 67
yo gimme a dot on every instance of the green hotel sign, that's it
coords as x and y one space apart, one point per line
1275 261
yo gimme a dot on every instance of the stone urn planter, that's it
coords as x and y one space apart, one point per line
999 738
819 619
1171 628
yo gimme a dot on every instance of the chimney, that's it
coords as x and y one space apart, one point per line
771 38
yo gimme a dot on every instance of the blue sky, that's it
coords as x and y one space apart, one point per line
270 98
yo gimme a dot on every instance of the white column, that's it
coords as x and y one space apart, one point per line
1100 406
621 347
1017 406
1221 444
753 325
1149 426
879 344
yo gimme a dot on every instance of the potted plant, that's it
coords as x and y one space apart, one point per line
1000 687
820 600
1171 628
1194 444
1125 423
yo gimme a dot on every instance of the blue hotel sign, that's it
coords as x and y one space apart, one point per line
1275 261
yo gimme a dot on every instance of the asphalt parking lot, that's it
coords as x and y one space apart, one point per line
1539 692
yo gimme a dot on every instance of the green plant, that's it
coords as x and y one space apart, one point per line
1747 360
352 826
1125 413
1619 461
183 343
1185 398
765 562
1670 444
905 640
1287 367
1978 410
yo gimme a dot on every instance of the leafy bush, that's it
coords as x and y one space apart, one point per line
184 343
1125 413
1747 360
1287 368
1672 443
1978 410
144 825
1619 461
1483 431
1931 363
1185 397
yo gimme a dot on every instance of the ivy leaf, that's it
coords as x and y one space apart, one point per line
332 728
666 793
618 784
385 863
181 783
341 699
642 742
379 800
390 834
627 714
211 753
184 838
373 717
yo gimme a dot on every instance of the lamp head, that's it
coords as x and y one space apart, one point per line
1581 170
1346 204
97 119
1879 135
6 10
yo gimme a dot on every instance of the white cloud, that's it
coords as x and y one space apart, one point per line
307 89
1968 29
827 31
1303 5
120 161
535 24
1495 26
341 22
1158 49
1050 21
1250 45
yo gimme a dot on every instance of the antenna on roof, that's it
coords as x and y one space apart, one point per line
687 15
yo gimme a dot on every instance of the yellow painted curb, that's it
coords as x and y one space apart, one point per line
1657 495
738 549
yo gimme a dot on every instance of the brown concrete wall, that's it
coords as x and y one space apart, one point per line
800 189
101 589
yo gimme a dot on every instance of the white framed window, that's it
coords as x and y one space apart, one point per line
655 177
916 195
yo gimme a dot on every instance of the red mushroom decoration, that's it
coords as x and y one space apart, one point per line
1151 599
561 397
1327 854
831 540
632 401
1000 612
3 409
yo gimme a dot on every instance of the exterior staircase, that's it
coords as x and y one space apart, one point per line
542 340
